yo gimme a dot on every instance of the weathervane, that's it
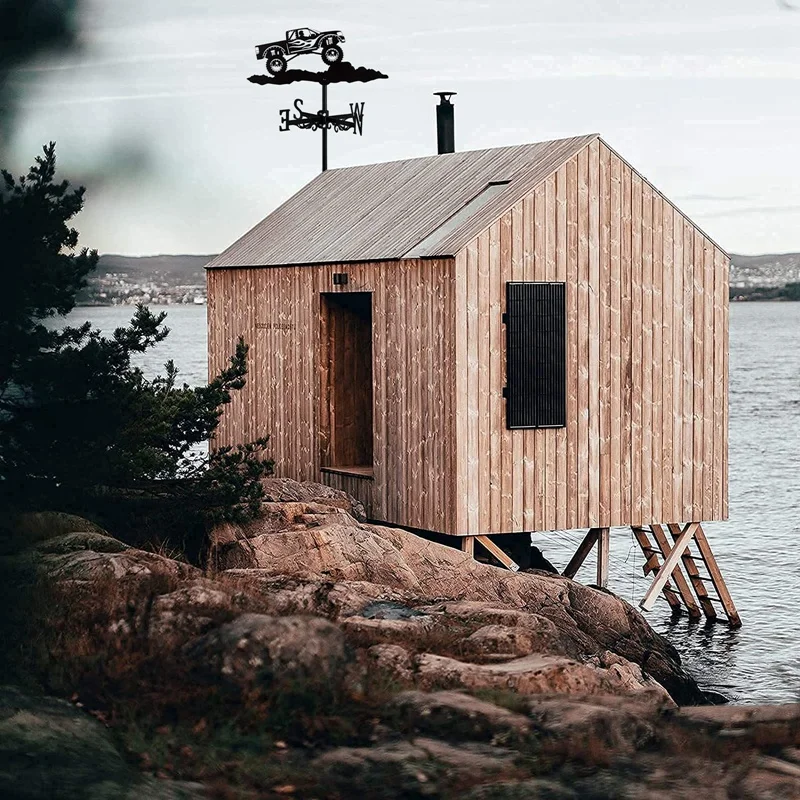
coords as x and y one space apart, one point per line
305 41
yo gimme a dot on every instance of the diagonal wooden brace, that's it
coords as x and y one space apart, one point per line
671 561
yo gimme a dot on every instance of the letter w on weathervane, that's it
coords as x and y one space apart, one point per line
354 121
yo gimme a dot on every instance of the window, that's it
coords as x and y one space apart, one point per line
535 355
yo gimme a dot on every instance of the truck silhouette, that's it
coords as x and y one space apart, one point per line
299 42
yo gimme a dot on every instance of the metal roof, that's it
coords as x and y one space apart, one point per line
396 209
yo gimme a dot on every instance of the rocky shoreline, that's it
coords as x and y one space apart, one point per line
320 656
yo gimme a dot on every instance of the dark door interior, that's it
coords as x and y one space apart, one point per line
347 380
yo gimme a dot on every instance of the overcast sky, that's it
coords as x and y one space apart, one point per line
702 96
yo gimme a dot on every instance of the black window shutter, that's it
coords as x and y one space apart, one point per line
536 355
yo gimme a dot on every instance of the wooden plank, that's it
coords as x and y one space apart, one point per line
668 567
648 454
708 382
652 565
494 420
694 577
518 437
505 465
719 377
594 335
678 323
529 436
616 346
603 548
677 575
484 451
540 435
550 461
637 339
605 363
626 343
725 387
499 554
583 550
562 251
658 366
468 545
698 414
582 333
571 503
667 369
716 576
688 369
470 399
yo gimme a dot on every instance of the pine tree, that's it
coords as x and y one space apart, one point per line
81 428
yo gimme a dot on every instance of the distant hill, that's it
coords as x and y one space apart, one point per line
765 271
175 269
181 279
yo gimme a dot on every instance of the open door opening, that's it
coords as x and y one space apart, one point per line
347 382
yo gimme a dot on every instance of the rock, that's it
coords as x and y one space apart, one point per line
746 726
89 565
499 640
393 661
49 749
25 530
75 542
420 769
456 716
580 621
190 611
533 674
257 649
623 725
283 490
291 595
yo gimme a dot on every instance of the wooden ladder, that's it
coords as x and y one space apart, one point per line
676 554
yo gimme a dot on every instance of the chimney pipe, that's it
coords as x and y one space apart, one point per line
445 123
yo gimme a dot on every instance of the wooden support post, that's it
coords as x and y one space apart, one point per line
583 550
677 574
717 579
652 564
499 554
667 568
468 545
694 576
603 546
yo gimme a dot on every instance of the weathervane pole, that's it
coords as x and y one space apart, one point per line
325 128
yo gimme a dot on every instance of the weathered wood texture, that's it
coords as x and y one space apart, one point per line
278 310
646 434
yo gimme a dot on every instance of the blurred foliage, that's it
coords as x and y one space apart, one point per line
81 428
29 28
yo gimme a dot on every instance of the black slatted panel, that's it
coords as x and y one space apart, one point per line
536 355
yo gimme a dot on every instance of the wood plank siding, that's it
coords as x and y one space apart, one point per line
278 311
646 439
647 393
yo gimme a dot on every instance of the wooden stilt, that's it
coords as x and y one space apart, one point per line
694 576
468 545
652 565
498 553
716 577
603 545
583 550
667 568
680 582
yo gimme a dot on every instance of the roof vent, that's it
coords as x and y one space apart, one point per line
445 123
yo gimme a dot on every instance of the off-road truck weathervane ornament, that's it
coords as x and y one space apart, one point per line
327 45
299 42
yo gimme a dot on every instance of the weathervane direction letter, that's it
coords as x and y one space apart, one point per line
357 111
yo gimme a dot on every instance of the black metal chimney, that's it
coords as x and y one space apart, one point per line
445 123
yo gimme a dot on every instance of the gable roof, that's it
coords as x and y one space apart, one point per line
416 208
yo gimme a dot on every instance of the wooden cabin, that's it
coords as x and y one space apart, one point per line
510 340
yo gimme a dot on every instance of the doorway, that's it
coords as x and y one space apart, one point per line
347 399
